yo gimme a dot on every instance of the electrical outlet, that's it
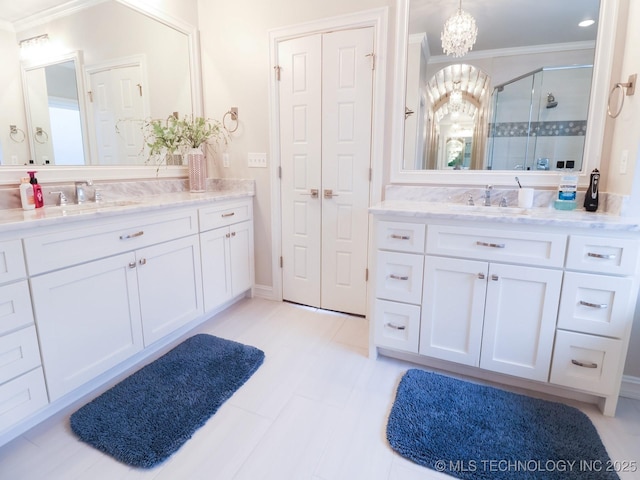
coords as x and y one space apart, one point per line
225 160
624 162
257 160
14 159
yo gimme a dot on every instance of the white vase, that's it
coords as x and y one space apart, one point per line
197 170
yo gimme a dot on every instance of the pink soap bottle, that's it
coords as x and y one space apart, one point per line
37 189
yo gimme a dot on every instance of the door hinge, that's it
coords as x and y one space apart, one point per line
370 173
277 68
90 93
366 274
281 262
280 173
373 60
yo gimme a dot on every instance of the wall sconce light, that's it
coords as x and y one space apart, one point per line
33 42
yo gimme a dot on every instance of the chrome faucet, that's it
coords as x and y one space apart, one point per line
487 195
81 195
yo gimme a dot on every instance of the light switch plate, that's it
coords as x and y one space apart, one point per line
257 160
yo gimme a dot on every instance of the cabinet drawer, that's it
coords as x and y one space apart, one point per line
19 353
71 247
598 304
402 237
530 248
397 325
11 261
224 214
21 397
618 256
15 306
586 362
399 277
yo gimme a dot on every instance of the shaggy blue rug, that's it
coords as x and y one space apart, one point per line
475 432
147 417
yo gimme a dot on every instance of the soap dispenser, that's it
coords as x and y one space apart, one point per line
37 189
591 196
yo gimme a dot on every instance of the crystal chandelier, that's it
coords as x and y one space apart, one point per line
459 33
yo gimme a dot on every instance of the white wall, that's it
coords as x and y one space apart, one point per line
11 100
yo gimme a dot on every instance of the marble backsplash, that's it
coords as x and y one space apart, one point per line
122 190
609 203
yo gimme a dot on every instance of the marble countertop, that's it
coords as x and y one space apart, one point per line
507 215
23 220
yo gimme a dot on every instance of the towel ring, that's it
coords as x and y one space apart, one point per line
14 132
40 133
627 89
234 118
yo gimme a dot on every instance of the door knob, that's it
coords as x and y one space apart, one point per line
313 192
328 193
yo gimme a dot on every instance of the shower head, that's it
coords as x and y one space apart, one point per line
551 101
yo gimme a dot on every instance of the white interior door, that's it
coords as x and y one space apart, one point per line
325 136
118 111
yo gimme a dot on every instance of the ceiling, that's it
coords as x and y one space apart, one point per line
12 11
508 23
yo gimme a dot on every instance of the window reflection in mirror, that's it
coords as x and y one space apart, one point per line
504 54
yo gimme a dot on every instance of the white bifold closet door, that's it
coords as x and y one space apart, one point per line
325 94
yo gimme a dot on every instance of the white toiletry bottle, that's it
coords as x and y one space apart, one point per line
26 194
567 192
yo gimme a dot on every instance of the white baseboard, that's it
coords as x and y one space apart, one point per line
630 387
264 291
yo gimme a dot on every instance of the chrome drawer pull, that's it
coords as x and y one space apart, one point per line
224 215
395 327
132 235
604 256
593 305
492 245
584 364
400 237
398 277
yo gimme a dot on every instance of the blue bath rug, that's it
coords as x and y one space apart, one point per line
472 431
148 416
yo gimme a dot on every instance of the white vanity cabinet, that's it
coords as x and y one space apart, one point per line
596 310
130 283
22 387
226 243
497 316
540 305
398 276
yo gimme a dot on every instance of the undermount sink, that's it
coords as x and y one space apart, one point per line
489 210
94 205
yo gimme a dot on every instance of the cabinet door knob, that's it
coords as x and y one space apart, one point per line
396 327
481 276
395 236
593 305
142 261
489 244
131 235
584 364
601 255
398 277
495 278
132 264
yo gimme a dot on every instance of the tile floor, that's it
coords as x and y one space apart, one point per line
315 410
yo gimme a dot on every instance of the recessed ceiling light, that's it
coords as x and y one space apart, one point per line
586 23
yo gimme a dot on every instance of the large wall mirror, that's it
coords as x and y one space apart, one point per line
106 67
529 99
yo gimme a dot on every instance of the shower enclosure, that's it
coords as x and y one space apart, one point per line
539 120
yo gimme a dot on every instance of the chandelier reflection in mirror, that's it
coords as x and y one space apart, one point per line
459 33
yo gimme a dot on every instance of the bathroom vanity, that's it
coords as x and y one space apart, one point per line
89 291
538 298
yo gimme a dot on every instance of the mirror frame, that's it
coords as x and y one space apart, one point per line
11 175
596 118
